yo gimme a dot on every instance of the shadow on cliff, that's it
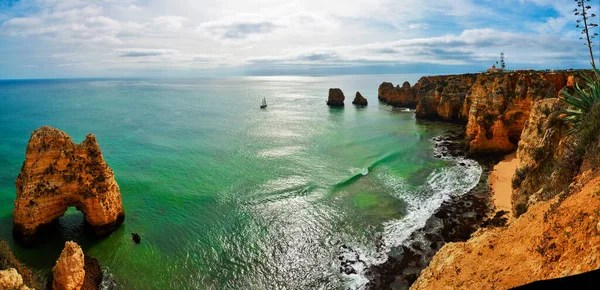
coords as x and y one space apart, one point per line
588 280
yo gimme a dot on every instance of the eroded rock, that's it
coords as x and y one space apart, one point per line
10 279
69 273
57 174
336 98
359 100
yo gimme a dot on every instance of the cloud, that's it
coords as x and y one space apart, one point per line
115 35
143 52
72 25
469 47
235 29
169 23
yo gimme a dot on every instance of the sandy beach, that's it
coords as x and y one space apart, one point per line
501 182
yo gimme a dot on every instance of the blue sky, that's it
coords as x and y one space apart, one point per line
180 38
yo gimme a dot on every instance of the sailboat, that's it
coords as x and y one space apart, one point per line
264 103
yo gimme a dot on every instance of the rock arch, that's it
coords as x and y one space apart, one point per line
57 174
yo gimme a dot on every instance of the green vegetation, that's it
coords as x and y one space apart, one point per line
584 100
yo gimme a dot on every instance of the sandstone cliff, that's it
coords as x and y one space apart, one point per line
494 106
384 90
57 174
553 239
555 196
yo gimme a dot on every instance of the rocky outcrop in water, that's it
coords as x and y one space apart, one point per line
336 98
404 96
58 174
93 274
383 91
69 273
359 100
74 270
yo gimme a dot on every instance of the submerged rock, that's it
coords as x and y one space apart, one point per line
336 98
57 174
69 273
359 100
136 238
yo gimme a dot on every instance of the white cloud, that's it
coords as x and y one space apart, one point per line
142 52
181 33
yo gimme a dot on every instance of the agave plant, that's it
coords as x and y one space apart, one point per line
583 101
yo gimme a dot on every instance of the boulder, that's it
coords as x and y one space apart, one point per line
93 274
69 273
57 174
10 279
336 98
359 100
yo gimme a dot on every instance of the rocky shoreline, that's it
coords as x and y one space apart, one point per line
497 108
455 220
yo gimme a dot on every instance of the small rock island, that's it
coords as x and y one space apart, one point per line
57 174
336 98
359 100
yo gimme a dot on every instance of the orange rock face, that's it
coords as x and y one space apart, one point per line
494 106
57 174
10 279
384 90
553 239
545 165
69 272
403 96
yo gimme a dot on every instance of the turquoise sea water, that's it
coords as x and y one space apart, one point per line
225 195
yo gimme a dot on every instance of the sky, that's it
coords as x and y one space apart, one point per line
187 38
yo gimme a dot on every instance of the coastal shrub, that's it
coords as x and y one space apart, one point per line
554 119
582 102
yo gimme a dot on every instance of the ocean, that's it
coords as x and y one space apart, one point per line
228 196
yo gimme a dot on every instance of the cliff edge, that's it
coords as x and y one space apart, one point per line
556 201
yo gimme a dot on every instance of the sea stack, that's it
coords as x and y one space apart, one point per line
69 273
359 100
336 98
384 90
58 174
